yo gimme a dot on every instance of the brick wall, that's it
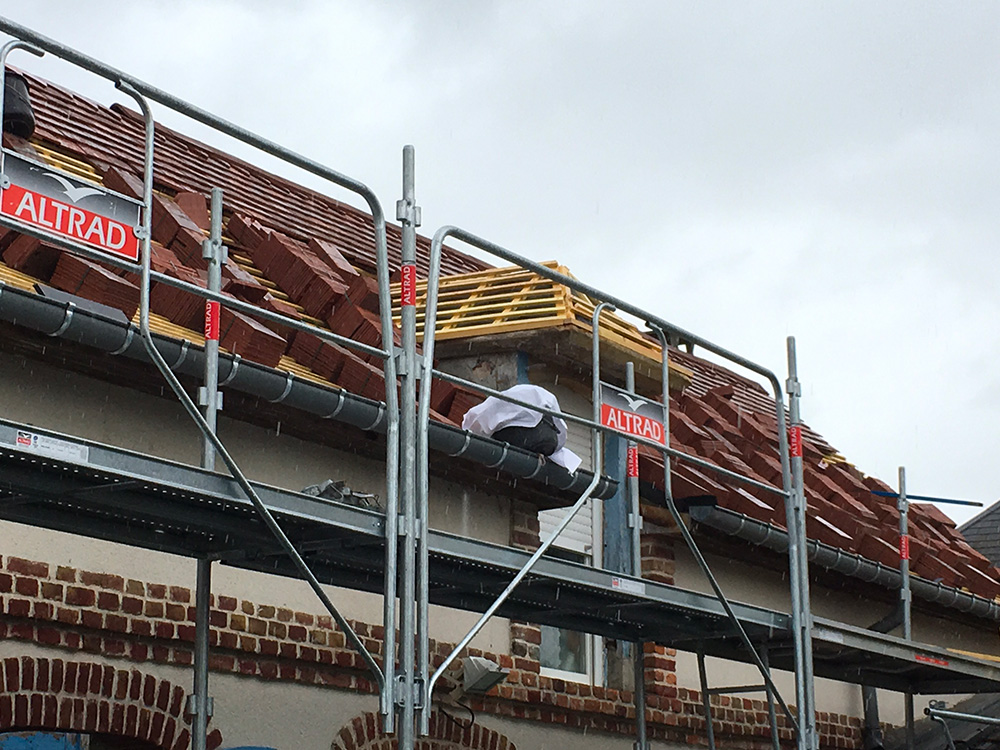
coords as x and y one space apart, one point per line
80 696
150 623
446 733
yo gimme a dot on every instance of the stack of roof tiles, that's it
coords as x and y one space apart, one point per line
315 256
732 422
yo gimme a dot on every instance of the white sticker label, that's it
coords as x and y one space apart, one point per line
53 447
628 587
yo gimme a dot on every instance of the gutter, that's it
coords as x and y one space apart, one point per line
848 563
81 321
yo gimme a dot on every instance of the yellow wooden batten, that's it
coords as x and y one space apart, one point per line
513 299
66 163
160 325
17 279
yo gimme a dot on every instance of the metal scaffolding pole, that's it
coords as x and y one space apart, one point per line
795 513
200 704
772 717
904 595
706 699
412 525
214 254
635 526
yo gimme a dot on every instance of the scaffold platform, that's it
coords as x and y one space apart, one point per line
67 484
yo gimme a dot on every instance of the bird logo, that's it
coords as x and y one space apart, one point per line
73 192
633 403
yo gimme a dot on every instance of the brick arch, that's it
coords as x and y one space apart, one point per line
364 733
58 694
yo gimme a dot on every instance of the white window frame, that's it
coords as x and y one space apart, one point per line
594 674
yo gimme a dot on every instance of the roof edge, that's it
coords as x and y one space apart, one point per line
851 564
83 324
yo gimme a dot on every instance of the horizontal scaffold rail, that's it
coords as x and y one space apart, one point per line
81 487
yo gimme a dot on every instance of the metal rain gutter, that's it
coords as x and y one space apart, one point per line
848 563
85 322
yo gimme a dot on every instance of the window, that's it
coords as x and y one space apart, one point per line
567 653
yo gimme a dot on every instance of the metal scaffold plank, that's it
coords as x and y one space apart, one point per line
127 497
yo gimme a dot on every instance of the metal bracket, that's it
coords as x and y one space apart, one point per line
191 708
128 341
4 182
418 692
400 360
402 369
408 213
793 387
289 381
233 367
203 398
209 249
633 522
182 356
139 232
401 529
67 320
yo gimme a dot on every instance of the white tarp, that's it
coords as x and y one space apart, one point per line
494 414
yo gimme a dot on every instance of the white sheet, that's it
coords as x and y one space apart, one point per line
495 414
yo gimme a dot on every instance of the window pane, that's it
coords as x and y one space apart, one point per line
565 650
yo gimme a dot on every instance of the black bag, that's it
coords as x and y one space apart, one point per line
542 438
17 115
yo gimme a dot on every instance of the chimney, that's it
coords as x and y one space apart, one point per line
18 119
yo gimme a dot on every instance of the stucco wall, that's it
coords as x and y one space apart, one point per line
37 394
248 712
770 589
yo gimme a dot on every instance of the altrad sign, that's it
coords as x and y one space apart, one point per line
39 196
635 415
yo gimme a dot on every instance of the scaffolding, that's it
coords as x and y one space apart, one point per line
109 493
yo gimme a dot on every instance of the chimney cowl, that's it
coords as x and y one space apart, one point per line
18 118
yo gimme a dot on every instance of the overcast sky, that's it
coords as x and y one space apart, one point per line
746 171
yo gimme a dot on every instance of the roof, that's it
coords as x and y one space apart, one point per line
297 252
983 533
732 421
114 137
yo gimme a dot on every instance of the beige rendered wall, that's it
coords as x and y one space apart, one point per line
527 735
37 394
248 711
770 589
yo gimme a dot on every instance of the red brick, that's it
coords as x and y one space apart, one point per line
109 601
27 567
103 580
26 586
19 608
91 619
